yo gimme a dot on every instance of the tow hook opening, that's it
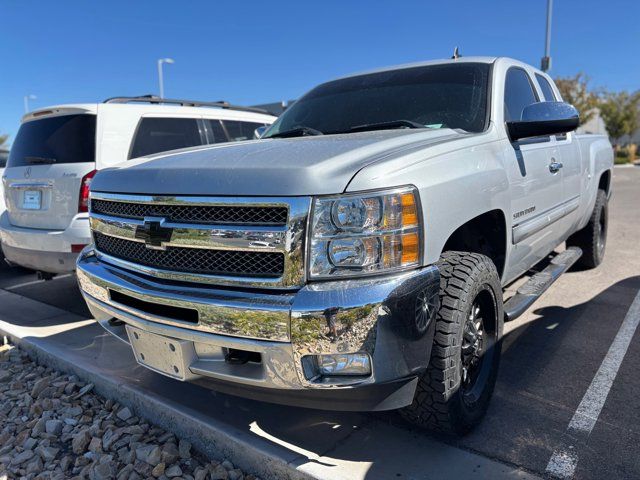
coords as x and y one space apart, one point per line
115 322
240 357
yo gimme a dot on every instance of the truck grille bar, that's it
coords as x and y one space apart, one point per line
202 214
194 260
250 241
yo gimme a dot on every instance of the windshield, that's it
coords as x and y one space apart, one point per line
62 139
436 96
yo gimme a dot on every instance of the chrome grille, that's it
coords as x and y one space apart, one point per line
245 241
201 214
194 260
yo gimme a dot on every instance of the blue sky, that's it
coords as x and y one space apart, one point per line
256 52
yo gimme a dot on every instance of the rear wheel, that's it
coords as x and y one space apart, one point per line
454 392
592 239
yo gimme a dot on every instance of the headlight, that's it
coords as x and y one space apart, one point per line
368 233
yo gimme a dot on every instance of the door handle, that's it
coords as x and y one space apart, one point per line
554 166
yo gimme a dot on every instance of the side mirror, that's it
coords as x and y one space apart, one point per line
544 118
258 132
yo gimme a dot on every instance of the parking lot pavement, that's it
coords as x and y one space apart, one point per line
557 358
553 352
14 276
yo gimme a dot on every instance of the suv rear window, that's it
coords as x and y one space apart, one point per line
162 134
63 139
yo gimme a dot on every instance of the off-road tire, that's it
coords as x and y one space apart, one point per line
592 239
438 403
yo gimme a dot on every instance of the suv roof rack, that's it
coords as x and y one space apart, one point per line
185 103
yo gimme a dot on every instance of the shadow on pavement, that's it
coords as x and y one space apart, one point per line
14 275
61 292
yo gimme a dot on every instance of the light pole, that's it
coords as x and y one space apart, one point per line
26 102
545 64
160 79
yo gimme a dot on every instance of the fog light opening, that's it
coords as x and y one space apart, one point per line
337 365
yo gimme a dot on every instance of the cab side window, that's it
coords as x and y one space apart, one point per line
240 130
217 131
547 91
161 134
518 94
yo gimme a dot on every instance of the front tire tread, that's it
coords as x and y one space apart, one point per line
433 407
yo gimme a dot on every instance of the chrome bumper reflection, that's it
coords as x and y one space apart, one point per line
376 316
224 312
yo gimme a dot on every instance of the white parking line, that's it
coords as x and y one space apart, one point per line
35 282
563 462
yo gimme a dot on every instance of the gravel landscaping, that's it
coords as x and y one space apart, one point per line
53 426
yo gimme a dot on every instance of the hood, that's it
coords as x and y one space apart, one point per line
270 167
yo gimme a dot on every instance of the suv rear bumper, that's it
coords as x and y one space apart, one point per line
372 316
45 250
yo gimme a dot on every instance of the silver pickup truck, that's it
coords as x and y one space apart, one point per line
354 258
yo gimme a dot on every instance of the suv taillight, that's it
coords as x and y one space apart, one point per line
83 202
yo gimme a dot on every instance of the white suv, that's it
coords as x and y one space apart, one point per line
58 150
4 154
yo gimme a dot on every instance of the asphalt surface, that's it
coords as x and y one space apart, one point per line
551 356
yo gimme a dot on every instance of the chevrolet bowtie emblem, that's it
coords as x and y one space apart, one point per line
154 234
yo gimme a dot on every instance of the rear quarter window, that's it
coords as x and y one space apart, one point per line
156 135
62 139
547 91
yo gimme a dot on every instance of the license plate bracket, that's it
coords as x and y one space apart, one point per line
166 355
32 200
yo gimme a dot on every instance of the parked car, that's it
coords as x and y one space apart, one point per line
58 150
395 206
4 154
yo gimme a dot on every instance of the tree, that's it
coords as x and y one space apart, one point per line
3 139
575 90
619 110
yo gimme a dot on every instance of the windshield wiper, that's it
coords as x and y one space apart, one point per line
40 160
296 132
385 126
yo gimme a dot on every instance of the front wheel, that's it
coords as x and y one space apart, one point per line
453 393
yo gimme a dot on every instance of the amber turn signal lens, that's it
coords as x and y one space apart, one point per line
409 210
410 248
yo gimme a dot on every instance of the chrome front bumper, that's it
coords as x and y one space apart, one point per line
373 316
